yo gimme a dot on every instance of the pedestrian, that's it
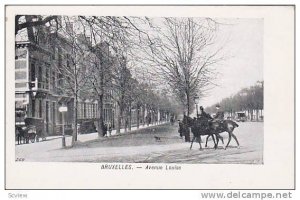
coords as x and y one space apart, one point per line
109 129
180 128
104 130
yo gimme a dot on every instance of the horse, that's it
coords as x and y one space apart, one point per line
22 134
218 127
19 134
212 128
184 131
198 129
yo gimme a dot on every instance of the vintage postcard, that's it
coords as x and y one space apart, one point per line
151 97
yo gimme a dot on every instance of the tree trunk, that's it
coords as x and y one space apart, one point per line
74 136
188 103
118 119
130 117
125 122
100 111
143 117
138 117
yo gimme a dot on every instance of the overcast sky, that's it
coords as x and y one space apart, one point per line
243 45
245 66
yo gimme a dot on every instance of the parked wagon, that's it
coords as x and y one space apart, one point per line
32 129
35 128
241 117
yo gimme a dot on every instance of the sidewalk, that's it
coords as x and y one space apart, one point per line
93 136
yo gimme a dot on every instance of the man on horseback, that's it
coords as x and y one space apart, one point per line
204 114
219 117
204 118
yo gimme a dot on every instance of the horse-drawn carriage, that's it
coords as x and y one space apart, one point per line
32 129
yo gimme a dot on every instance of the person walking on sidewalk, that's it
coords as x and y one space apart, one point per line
109 129
104 130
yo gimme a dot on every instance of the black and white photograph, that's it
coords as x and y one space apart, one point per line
139 89
136 90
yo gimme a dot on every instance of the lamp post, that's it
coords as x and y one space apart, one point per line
63 109
196 100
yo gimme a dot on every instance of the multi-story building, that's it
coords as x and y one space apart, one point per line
42 84
37 81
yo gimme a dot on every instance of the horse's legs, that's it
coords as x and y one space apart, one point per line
21 139
215 145
235 138
192 142
229 139
217 138
206 140
221 138
199 140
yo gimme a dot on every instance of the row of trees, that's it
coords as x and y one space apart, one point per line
249 99
95 57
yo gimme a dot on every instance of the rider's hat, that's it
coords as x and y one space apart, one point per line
218 106
201 107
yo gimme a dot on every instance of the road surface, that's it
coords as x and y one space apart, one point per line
142 147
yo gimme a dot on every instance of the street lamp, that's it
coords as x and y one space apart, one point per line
63 109
196 100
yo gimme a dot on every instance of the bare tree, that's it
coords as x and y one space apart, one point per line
120 34
25 21
181 54
72 52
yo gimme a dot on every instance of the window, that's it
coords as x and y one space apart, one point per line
33 108
84 110
20 75
20 64
53 80
93 110
20 85
53 112
47 78
40 77
88 110
47 111
79 110
32 72
40 108
20 96
21 54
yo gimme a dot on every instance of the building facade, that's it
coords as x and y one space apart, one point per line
42 83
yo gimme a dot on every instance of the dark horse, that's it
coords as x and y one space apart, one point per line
184 131
199 127
21 135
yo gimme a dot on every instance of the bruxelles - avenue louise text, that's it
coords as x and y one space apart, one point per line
117 166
